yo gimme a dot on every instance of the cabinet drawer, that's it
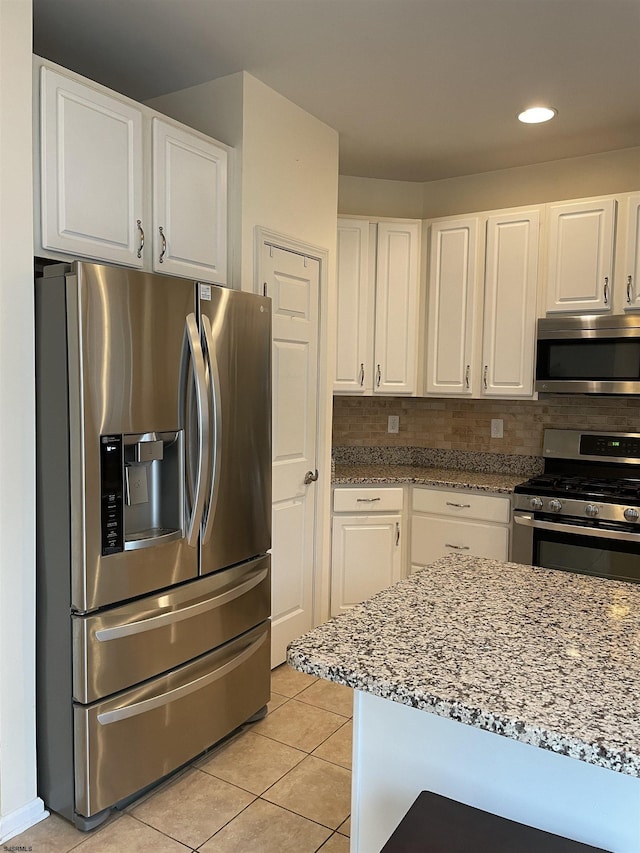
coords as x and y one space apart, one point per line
459 504
367 500
432 538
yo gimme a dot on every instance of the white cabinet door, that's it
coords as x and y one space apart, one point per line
365 558
189 204
453 283
91 172
396 323
632 253
511 269
580 267
355 309
432 538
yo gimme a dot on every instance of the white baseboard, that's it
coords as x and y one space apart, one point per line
18 821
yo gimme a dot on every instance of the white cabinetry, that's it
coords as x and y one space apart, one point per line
108 166
580 255
632 253
377 317
367 539
480 338
452 521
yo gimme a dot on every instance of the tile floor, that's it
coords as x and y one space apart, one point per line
281 785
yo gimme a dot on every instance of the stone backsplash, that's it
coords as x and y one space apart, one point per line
465 425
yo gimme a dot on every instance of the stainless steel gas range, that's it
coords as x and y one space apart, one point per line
582 514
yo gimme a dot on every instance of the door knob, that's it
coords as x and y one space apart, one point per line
310 477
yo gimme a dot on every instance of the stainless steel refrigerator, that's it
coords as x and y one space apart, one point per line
153 526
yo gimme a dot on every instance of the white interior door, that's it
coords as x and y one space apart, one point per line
292 282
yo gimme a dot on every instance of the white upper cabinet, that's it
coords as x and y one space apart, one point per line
511 275
453 275
120 183
91 172
632 253
355 309
189 204
580 256
377 316
481 332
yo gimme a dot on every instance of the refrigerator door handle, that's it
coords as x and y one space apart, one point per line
191 348
214 379
123 713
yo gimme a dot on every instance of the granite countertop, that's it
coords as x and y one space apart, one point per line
541 656
382 474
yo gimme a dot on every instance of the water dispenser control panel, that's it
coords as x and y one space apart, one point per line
111 494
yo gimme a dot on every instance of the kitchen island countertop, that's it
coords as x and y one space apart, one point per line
543 657
383 474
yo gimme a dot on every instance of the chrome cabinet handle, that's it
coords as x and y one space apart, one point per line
606 290
141 246
484 376
466 375
310 477
164 245
378 377
629 280
457 547
460 506
397 533
361 374
366 500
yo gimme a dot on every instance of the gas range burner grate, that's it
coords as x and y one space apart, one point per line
622 490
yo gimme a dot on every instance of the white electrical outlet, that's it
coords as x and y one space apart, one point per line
497 428
393 424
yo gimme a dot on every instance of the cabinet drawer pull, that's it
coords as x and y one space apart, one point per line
378 377
629 280
397 533
466 376
366 500
164 245
361 374
457 547
606 290
484 376
141 246
459 506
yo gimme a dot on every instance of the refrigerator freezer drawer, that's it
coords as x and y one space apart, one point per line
125 645
125 743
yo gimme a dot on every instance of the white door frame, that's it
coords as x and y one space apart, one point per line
322 536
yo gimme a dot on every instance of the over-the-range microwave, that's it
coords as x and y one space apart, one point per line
592 354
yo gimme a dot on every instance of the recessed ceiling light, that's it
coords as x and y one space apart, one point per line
535 115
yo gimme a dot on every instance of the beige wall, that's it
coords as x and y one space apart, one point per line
465 424
18 804
578 177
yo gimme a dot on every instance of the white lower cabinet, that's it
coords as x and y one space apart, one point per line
452 521
367 541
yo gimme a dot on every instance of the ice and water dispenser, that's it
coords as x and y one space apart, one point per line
141 490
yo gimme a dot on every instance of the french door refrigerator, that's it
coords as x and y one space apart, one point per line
153 526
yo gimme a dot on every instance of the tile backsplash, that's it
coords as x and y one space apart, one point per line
466 424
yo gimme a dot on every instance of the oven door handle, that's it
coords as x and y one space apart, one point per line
596 532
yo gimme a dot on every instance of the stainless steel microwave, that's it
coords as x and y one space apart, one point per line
593 354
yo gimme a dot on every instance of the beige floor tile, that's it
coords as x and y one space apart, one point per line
52 835
252 762
194 808
335 844
315 789
299 725
276 700
266 828
337 748
330 696
127 833
289 682
345 828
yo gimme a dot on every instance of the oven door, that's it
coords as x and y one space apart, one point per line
608 551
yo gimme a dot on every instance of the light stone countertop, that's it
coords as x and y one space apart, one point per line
381 474
544 657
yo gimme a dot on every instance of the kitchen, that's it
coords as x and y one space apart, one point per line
590 175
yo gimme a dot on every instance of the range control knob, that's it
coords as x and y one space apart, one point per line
631 514
591 510
535 503
555 505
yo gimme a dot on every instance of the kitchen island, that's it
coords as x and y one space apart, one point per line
510 688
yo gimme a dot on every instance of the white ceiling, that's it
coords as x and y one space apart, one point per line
418 89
